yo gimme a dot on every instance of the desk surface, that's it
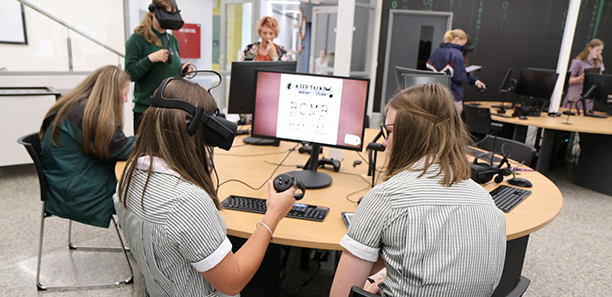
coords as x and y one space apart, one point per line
578 123
255 164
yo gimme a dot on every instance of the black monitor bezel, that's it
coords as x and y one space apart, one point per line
363 125
523 83
239 106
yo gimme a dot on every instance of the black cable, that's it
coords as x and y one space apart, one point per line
272 174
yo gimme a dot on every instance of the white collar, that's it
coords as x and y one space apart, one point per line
159 165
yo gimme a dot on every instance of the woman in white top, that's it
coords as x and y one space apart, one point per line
436 231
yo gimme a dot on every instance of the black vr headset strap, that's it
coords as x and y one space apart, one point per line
224 128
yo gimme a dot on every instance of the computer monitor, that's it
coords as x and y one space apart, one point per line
412 79
596 70
597 87
242 83
401 70
536 84
322 110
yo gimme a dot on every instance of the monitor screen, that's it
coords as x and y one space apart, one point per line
399 71
601 85
596 70
322 110
536 84
326 110
411 79
242 83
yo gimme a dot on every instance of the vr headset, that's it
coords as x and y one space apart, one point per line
168 20
217 131
482 173
468 47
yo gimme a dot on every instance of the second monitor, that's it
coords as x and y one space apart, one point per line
322 110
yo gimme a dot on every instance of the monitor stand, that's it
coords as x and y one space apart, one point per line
310 177
261 141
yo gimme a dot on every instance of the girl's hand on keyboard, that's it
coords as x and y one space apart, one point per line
278 204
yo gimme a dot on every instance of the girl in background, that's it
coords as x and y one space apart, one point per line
590 57
266 50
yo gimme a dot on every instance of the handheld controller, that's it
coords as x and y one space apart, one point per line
169 55
284 181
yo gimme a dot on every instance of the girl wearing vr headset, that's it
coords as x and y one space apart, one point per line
266 50
81 140
428 223
449 58
151 54
168 205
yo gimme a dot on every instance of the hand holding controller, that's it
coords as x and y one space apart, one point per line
284 181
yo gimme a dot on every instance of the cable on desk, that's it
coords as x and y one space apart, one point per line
265 181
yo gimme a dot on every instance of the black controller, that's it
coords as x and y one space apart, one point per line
169 55
284 181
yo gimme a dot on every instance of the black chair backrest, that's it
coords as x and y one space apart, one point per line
32 144
477 119
515 150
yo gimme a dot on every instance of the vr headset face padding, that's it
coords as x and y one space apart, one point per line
217 131
168 20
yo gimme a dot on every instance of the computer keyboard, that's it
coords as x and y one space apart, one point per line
507 197
299 210
483 155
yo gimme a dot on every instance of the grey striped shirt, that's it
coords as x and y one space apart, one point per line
435 240
179 234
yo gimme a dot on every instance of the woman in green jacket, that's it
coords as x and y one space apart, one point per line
151 54
81 140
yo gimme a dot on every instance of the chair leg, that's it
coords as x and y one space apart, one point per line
123 248
130 280
72 246
40 246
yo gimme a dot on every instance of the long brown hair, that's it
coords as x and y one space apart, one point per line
428 127
103 110
163 134
583 56
146 26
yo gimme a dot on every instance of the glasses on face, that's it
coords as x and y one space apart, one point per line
385 132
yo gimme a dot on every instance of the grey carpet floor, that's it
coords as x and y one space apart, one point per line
570 257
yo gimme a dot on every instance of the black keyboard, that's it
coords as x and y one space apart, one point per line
507 197
482 155
299 210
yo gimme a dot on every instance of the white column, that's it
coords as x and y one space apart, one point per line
344 37
564 53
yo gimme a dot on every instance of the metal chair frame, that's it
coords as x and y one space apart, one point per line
32 144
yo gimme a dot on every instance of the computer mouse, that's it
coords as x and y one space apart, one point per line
520 182
522 117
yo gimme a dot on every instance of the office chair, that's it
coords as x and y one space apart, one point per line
359 292
478 120
519 289
515 150
32 144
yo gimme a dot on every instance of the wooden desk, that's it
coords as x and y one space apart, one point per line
256 164
595 159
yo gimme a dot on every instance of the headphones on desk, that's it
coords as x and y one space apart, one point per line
217 130
482 173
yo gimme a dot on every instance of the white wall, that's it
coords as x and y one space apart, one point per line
47 46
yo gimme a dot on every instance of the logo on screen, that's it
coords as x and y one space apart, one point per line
307 89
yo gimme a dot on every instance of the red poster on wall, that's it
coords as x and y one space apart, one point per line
189 40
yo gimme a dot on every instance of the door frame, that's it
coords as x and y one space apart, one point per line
223 37
392 14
